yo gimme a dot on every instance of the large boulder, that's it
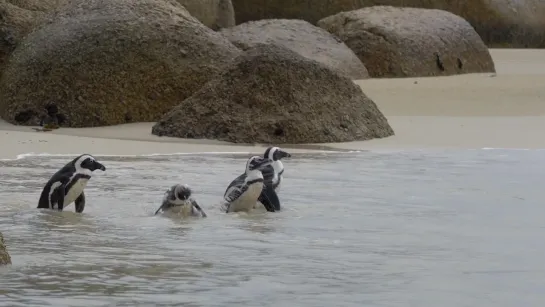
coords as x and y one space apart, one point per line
4 256
505 23
302 37
411 42
271 94
111 62
215 14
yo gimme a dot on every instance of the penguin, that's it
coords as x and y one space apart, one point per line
67 184
243 192
273 175
177 199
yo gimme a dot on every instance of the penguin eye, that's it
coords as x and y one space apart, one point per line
86 163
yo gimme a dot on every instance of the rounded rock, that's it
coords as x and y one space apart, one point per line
111 62
302 37
271 94
500 23
411 42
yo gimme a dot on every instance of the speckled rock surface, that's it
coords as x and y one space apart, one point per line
17 19
38 5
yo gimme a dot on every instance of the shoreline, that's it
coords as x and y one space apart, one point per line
471 111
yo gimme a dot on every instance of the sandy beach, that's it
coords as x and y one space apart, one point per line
503 110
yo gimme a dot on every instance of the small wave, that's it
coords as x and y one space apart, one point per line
514 149
32 154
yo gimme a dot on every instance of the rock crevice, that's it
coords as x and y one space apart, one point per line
215 14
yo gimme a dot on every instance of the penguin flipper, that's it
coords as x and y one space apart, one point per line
164 205
196 205
44 201
80 203
60 197
269 199
56 199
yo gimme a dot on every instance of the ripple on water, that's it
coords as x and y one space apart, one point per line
420 228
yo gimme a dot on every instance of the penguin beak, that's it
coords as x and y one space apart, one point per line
196 206
99 166
284 154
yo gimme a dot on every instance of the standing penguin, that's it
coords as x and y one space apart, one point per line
243 192
67 184
273 175
178 199
272 178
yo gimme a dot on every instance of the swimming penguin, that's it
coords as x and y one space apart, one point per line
242 193
67 184
273 174
177 199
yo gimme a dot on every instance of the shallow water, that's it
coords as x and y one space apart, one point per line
435 228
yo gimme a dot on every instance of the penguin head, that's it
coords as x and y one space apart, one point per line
257 163
87 162
275 153
182 192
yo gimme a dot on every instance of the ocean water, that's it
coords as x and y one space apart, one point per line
448 228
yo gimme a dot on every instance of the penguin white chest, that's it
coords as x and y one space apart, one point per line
184 210
278 184
248 199
75 191
278 173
